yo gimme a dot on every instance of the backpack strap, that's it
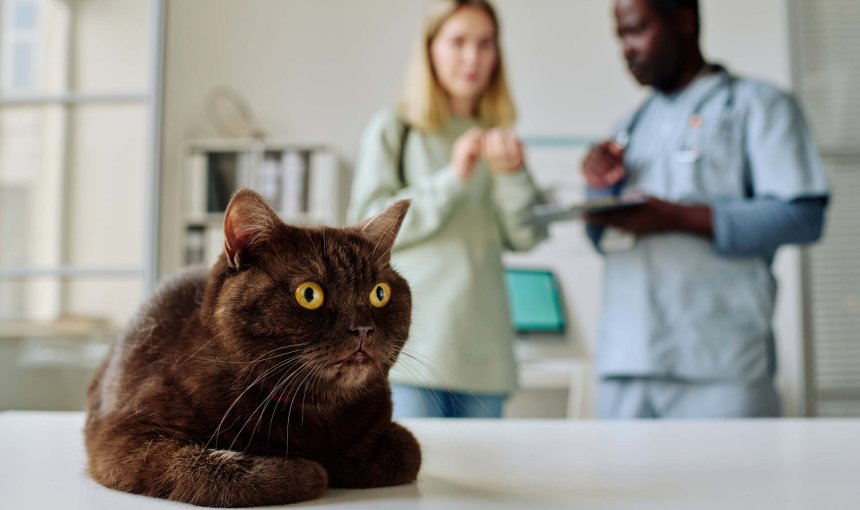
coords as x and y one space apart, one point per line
401 170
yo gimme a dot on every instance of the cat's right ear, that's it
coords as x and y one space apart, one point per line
383 227
248 222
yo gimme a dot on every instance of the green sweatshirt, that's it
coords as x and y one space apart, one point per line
449 250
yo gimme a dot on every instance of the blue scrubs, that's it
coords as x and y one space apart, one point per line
681 309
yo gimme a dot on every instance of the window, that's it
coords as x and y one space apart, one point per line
20 45
829 88
75 191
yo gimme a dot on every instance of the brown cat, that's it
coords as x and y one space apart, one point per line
265 381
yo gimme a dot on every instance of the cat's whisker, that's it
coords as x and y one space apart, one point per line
280 386
261 377
238 434
277 401
411 373
429 367
475 396
379 367
290 409
265 404
283 387
418 382
306 369
293 349
415 357
179 362
305 382
318 380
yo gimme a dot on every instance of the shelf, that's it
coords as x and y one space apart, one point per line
250 144
302 182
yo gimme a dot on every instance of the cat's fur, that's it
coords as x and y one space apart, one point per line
225 392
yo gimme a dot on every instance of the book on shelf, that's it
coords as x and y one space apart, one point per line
196 197
269 178
302 184
294 184
325 188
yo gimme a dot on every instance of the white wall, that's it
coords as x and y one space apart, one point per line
316 70
310 70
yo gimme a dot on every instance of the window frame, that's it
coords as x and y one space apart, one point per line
68 100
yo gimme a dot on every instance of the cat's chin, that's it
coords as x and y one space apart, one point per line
355 370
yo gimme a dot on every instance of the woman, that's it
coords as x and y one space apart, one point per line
449 149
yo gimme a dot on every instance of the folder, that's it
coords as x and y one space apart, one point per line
546 214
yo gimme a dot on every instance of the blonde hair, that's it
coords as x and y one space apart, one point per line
423 102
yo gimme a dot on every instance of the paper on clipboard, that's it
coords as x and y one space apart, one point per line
546 214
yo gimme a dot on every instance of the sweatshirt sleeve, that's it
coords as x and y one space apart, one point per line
376 184
515 195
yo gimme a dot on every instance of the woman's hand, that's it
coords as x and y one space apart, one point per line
467 152
503 151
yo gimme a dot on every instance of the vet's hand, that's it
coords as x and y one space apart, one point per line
503 151
603 166
657 216
467 152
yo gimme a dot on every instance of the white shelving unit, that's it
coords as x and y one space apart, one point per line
302 182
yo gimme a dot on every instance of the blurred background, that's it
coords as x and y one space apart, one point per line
125 124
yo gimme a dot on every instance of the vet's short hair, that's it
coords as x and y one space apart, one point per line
668 8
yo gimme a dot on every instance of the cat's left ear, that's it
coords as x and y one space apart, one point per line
383 227
248 222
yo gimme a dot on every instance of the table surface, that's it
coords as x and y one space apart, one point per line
508 464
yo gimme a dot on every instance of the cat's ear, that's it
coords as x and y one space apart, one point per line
248 222
383 227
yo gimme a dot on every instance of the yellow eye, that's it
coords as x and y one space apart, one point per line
380 295
309 295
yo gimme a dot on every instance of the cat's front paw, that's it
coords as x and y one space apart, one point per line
393 459
288 480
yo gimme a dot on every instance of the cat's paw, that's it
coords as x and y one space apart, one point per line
225 478
289 480
409 451
393 459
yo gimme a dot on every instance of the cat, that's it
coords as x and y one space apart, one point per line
264 381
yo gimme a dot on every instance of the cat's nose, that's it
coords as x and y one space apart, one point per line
361 331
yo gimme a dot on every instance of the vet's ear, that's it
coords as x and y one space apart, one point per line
248 222
686 20
382 229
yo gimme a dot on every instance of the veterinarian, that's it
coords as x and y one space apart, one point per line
732 174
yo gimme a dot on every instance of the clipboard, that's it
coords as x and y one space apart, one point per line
545 214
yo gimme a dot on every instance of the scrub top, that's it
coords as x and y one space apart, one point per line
674 307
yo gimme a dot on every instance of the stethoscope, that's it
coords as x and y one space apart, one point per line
687 153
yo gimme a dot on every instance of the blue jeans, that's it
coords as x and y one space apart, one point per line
415 402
